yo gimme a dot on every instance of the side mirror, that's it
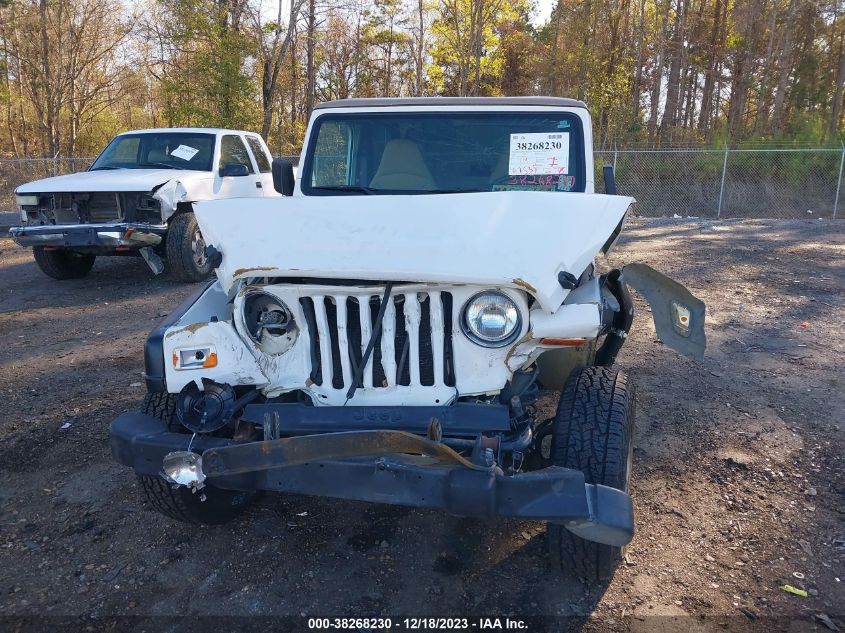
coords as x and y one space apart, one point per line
283 179
609 180
235 169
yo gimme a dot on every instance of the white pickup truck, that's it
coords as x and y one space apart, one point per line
137 197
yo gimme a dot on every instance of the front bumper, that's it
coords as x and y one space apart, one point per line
122 234
378 466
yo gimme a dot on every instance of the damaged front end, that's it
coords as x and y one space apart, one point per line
413 384
384 466
98 222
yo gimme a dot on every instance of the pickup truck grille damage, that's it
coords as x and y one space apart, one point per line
102 207
93 208
414 347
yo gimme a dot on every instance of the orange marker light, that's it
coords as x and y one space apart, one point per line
210 360
175 359
563 342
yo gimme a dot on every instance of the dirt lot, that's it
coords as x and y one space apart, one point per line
739 479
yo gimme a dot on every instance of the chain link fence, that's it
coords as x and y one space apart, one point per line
15 172
728 183
707 183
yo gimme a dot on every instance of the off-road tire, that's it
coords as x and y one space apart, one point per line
181 503
185 262
62 264
593 432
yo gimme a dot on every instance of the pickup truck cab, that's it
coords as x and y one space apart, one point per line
137 198
386 338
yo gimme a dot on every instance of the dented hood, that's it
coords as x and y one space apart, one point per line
110 180
519 239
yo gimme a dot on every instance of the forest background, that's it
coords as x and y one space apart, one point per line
655 73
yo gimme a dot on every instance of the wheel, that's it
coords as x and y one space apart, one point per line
62 264
185 248
209 506
593 431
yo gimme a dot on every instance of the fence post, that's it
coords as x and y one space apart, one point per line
839 180
722 186
615 154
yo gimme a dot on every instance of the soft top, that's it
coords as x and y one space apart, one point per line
381 102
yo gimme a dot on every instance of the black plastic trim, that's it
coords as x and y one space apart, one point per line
622 320
460 420
554 494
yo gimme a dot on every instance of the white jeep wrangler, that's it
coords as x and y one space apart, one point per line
383 334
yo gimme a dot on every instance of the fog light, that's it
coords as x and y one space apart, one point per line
184 468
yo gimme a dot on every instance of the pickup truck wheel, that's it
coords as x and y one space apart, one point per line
593 432
180 502
62 264
186 249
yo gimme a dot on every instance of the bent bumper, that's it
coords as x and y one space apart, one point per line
123 234
431 479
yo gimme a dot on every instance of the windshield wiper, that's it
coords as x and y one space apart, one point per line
162 165
398 192
350 188
105 167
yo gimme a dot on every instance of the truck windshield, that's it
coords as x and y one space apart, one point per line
444 152
158 150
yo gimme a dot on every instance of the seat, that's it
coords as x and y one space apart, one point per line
158 155
402 167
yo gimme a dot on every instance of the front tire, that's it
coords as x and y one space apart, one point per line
593 432
185 248
63 264
209 506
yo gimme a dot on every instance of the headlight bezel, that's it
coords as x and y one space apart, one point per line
23 200
272 344
486 342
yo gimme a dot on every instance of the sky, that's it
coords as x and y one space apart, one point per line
541 15
544 10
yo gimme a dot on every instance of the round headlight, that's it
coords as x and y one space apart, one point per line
491 319
268 322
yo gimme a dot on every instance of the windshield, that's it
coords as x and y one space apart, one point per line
158 150
444 152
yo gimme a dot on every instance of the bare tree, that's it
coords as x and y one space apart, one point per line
273 48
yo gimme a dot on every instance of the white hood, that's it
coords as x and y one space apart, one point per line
518 239
110 180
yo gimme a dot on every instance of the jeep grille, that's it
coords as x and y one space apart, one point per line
413 348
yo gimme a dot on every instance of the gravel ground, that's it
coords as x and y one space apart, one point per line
738 478
7 220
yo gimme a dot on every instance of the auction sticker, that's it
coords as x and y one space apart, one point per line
185 152
539 153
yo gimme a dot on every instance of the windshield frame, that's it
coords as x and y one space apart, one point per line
206 168
342 114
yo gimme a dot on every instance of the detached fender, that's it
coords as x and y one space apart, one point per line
678 315
169 194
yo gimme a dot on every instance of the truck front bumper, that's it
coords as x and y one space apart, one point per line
392 467
90 236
